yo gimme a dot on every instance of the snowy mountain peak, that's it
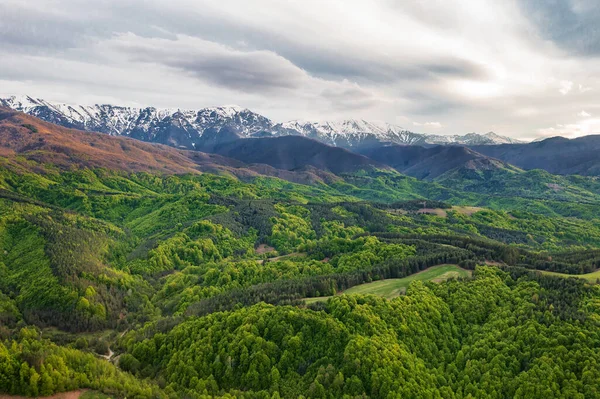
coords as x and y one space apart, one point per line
357 129
22 102
185 128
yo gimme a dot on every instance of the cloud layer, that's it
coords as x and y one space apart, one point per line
524 68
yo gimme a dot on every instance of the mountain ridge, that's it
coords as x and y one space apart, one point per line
430 163
185 128
557 155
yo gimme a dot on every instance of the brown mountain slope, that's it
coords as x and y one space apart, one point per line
23 137
44 142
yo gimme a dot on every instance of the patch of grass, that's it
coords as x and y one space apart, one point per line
31 127
592 277
393 287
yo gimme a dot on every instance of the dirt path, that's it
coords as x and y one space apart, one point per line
286 256
276 258
107 357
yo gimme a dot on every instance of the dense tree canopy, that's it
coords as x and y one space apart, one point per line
207 286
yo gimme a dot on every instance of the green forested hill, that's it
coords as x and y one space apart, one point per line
140 283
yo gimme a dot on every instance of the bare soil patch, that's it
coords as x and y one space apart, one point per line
434 211
263 249
62 395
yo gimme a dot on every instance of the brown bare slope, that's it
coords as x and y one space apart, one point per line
24 137
44 142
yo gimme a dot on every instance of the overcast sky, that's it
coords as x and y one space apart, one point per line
522 68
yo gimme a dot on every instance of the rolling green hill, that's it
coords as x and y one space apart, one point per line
164 283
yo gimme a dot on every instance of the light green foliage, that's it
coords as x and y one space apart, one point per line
31 366
100 259
291 229
449 340
368 252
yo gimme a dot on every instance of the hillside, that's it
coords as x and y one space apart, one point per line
28 137
432 162
556 155
296 153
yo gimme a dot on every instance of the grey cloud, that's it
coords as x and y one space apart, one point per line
571 24
432 102
251 71
331 64
349 97
51 31
42 31
72 23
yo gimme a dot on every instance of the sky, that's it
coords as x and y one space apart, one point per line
522 68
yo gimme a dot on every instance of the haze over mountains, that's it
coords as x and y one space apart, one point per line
557 155
187 128
431 163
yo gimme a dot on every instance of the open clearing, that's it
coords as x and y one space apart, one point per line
263 249
467 210
78 394
63 395
590 277
434 211
393 287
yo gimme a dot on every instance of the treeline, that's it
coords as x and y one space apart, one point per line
291 291
575 262
503 333
415 205
481 249
563 296
34 367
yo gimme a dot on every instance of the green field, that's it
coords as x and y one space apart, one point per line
393 287
590 277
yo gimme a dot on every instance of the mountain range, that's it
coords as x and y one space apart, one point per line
24 138
296 158
195 129
558 155
433 162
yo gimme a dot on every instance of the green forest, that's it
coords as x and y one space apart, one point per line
147 285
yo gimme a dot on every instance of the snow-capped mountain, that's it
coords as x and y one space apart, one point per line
350 133
208 127
489 138
347 132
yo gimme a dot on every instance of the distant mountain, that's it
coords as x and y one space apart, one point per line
188 128
177 128
360 133
296 153
24 138
433 162
556 155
